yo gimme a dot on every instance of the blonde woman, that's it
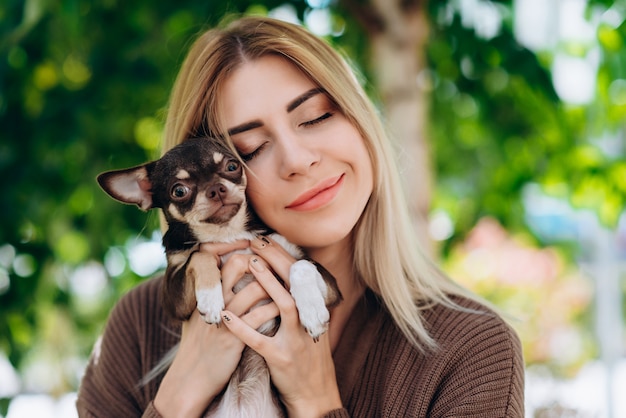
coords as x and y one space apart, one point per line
405 342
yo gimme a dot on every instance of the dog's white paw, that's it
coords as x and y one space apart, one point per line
210 304
309 291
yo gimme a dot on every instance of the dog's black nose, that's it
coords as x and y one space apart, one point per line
217 192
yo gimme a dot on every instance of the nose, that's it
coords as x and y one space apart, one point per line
297 156
217 192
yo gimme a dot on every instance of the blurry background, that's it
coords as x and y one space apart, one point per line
508 115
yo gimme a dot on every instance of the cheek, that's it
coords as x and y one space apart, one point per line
260 195
367 167
360 160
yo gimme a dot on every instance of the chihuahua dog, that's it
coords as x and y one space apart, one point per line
200 187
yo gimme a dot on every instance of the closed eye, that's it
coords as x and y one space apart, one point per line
317 120
249 156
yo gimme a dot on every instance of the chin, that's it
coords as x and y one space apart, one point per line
320 238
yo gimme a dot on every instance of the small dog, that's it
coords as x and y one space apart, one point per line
200 187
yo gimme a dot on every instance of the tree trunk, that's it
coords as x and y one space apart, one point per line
398 33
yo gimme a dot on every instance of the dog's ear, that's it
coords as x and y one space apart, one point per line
130 185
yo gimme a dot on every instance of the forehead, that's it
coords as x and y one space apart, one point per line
261 87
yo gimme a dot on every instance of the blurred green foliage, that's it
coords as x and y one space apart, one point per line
498 124
83 87
82 90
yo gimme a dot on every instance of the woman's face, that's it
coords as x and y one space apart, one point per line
310 173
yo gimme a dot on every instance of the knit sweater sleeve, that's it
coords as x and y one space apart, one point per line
126 351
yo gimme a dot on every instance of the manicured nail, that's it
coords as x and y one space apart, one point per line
260 242
256 264
226 317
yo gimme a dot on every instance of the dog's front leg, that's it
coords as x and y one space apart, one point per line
207 278
309 292
178 295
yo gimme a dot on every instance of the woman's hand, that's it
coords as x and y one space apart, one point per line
208 354
302 370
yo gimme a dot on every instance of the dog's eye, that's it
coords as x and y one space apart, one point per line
180 191
232 166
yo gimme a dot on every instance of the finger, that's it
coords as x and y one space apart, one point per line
246 333
222 248
276 291
246 298
260 315
275 255
232 272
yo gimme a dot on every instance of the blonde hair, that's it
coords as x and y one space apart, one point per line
387 257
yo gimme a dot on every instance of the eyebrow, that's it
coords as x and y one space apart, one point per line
244 127
303 98
291 106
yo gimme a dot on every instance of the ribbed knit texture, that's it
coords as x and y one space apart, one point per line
477 370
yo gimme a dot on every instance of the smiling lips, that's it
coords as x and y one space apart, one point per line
318 196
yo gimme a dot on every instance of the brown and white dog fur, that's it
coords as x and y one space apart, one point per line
200 187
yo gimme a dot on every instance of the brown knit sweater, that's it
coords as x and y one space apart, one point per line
477 371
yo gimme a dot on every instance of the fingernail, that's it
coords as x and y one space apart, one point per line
226 317
256 264
260 242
